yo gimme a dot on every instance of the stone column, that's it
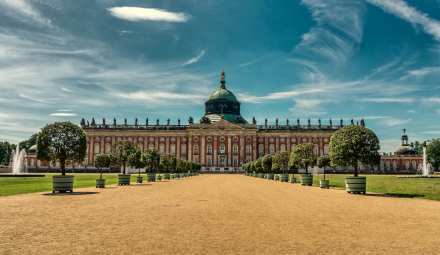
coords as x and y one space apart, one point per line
242 152
277 144
167 145
266 145
202 150
189 149
91 150
254 147
102 145
178 156
229 148
214 151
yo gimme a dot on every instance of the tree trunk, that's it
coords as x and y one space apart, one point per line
307 169
100 175
324 171
123 168
356 170
63 166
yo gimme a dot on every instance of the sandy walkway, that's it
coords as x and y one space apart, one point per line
218 214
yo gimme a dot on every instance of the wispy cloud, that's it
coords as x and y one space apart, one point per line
277 95
147 14
392 122
338 30
403 100
410 14
422 72
163 97
195 59
25 11
63 114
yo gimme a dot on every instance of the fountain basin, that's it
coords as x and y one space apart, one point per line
22 175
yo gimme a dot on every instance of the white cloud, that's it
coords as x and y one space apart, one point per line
163 97
147 14
195 59
431 100
410 14
422 72
278 95
403 100
63 114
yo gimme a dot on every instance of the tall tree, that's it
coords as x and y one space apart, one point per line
61 141
433 153
303 156
121 154
5 153
352 145
135 160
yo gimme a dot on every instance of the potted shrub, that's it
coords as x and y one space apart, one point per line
135 161
304 157
323 162
353 145
121 154
259 169
180 168
61 141
280 163
101 161
151 161
292 168
266 163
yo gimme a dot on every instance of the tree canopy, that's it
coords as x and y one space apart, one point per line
280 161
352 145
266 162
151 160
121 154
433 153
303 156
61 141
6 152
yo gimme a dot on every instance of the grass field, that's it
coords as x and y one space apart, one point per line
20 185
384 184
391 185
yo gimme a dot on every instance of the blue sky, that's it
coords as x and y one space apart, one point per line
375 59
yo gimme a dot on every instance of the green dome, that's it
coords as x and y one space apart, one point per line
222 93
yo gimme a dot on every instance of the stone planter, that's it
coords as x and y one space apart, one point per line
307 179
324 184
172 176
100 183
151 177
139 179
260 175
284 177
159 177
123 179
62 183
181 175
269 176
292 180
166 176
356 185
276 177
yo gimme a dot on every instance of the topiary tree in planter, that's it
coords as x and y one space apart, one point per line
280 163
61 141
151 160
259 169
323 162
351 146
266 163
166 161
293 167
121 154
303 156
433 153
101 161
135 161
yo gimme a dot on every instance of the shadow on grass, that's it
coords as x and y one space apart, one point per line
398 195
71 193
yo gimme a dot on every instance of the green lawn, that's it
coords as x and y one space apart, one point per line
428 188
19 185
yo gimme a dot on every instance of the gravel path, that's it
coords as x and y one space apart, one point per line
217 214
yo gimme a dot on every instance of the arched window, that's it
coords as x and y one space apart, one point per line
248 149
261 149
235 148
282 147
97 148
172 149
209 149
162 148
271 148
222 148
108 148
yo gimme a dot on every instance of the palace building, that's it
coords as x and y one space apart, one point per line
221 141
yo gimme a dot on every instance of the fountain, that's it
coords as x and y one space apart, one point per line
18 161
426 166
